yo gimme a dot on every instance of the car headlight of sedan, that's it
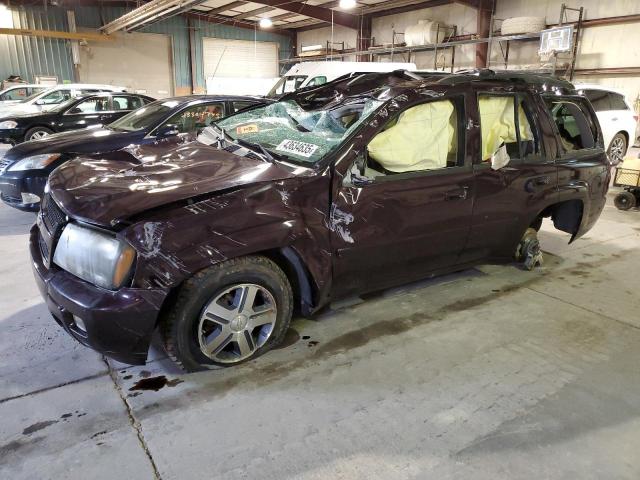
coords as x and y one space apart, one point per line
7 124
94 256
35 162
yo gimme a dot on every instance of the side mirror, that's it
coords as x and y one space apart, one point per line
40 102
168 130
75 110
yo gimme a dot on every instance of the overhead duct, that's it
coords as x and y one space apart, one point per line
151 11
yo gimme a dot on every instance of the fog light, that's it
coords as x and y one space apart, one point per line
79 323
30 198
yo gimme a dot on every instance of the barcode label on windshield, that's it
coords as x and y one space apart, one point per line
299 148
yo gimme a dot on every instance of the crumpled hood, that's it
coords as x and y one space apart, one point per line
110 189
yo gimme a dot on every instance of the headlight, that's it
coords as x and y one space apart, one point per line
94 256
35 161
8 124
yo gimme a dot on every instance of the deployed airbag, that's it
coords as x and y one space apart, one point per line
497 124
421 139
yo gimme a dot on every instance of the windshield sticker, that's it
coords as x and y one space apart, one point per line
251 128
299 148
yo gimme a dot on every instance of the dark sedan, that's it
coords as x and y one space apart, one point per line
79 112
24 169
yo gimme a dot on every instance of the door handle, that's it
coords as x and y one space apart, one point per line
534 184
458 194
614 119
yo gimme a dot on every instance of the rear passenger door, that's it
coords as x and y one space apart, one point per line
509 198
120 106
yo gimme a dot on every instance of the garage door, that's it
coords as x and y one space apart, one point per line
139 61
239 58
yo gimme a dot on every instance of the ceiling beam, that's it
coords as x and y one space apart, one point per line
223 8
252 13
29 32
319 13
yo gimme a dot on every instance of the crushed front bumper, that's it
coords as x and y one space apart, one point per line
118 324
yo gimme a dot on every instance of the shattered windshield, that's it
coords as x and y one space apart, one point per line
287 130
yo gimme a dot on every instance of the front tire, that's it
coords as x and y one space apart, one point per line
228 314
617 148
37 133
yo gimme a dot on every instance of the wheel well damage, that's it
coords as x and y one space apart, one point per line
566 216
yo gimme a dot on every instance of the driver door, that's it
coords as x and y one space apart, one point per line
404 210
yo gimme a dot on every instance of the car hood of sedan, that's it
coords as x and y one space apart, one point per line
18 109
106 191
85 141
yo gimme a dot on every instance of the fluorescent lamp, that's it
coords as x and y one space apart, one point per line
266 23
347 4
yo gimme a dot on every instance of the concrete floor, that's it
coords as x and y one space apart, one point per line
490 373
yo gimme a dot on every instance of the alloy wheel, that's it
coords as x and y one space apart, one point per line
617 150
37 135
237 322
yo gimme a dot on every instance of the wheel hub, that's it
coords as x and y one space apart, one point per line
239 323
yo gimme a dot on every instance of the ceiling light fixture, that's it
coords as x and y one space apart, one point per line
347 4
265 23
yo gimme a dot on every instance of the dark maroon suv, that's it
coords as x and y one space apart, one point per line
357 185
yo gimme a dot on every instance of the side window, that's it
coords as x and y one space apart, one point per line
599 99
15 94
91 105
237 106
197 117
317 81
575 127
502 125
57 96
617 102
126 102
423 137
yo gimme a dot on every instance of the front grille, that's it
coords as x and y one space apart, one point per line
44 250
52 216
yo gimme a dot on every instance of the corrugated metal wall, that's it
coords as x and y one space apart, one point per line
28 57
37 56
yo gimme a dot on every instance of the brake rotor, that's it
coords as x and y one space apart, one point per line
528 251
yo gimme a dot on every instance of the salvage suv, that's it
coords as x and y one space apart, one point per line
353 186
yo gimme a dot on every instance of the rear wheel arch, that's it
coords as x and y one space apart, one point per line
566 216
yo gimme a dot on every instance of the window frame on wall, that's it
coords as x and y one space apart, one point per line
459 102
527 100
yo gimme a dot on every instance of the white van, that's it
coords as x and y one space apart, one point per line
308 74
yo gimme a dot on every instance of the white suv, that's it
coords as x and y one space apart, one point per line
617 119
47 99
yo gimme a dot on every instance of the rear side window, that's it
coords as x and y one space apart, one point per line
16 94
599 99
576 128
604 101
126 102
504 125
237 106
617 102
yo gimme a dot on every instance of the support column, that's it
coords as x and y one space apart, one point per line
483 21
363 40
